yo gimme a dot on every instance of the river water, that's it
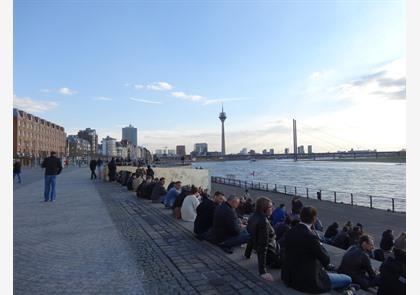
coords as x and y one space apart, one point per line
383 181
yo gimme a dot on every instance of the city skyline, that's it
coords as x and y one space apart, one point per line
345 84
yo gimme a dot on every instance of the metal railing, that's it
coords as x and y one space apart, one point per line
354 199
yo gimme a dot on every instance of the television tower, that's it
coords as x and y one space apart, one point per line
222 117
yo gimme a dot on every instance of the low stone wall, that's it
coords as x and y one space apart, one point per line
188 176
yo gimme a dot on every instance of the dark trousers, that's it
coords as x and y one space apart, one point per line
92 174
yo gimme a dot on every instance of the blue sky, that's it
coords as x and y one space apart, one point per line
338 67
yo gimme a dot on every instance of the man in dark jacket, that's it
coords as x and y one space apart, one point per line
17 170
92 166
227 231
53 167
112 169
306 258
356 263
263 238
205 213
159 191
392 280
342 239
150 172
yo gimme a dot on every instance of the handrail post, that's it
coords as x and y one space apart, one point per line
259 185
335 197
285 190
295 191
370 200
307 193
351 195
275 187
266 187
393 205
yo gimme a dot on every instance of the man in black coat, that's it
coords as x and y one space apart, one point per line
159 191
205 213
392 280
112 169
17 170
92 166
263 238
227 231
53 167
356 263
306 258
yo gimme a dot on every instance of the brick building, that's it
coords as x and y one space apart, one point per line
34 138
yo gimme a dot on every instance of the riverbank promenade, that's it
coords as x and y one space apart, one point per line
98 238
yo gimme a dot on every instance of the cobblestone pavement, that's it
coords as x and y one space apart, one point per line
174 262
70 246
98 238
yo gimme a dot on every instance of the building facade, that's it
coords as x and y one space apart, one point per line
130 134
301 149
309 149
200 149
91 136
79 148
180 150
109 147
35 138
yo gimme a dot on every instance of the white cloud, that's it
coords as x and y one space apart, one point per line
145 100
102 98
190 97
66 91
33 106
156 86
321 75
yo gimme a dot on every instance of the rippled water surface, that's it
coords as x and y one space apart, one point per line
382 180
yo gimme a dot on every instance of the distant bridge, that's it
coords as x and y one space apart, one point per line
313 156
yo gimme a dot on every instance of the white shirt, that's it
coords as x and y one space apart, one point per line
189 208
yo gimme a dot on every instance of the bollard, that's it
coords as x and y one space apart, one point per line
351 195
307 193
393 205
370 199
335 197
295 191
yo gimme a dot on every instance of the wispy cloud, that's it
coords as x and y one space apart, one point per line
190 97
46 90
145 100
102 98
321 75
156 86
66 91
33 106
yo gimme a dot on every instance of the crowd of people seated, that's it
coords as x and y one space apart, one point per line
290 240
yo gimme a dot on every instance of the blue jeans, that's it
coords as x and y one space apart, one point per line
339 281
238 240
49 190
18 175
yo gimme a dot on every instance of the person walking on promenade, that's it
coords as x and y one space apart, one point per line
53 167
17 170
92 166
306 259
99 164
112 167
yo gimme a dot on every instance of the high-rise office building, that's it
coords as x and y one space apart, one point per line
286 151
180 150
301 149
309 149
130 133
109 147
271 151
91 136
200 149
